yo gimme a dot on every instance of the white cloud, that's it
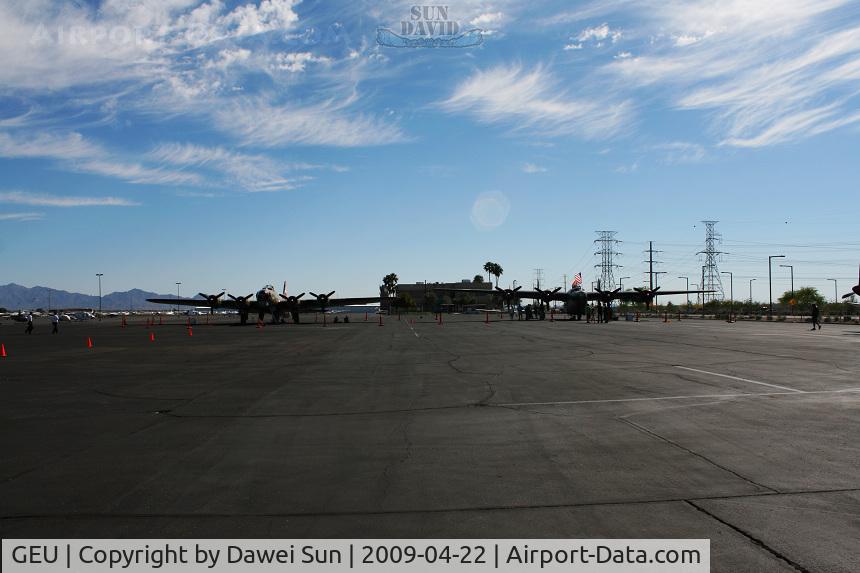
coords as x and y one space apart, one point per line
21 216
45 200
533 168
599 33
257 121
53 145
533 100
250 172
768 72
296 61
488 20
78 154
572 47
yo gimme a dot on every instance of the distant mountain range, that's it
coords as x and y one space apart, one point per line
16 297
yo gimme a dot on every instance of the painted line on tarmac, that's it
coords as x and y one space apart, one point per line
741 379
658 398
806 336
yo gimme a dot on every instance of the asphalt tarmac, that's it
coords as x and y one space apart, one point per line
747 434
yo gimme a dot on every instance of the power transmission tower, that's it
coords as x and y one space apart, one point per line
710 272
607 242
651 262
538 278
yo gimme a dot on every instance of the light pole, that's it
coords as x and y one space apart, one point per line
688 291
656 277
100 275
770 280
835 291
791 267
177 296
731 293
751 280
621 282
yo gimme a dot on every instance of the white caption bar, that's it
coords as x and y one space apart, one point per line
339 555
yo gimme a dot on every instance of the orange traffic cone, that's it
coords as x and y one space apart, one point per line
2 351
190 332
89 342
152 337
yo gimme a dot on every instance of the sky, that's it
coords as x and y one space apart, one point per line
231 144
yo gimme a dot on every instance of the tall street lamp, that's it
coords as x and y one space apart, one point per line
731 293
177 296
792 284
835 291
100 275
770 279
621 282
657 277
688 293
751 280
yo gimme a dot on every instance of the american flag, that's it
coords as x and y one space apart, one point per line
577 280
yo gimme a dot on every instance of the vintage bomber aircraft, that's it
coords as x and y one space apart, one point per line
576 299
267 300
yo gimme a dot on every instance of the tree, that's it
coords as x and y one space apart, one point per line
406 301
478 280
497 272
488 268
389 281
803 297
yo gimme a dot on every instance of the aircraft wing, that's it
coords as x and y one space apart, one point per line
251 305
638 296
313 303
518 294
180 301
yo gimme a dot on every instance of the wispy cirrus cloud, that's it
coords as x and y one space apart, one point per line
21 216
533 100
76 153
769 72
47 200
259 121
252 172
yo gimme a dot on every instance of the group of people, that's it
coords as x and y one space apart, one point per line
598 314
55 322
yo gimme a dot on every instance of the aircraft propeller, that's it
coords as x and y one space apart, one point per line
649 295
242 301
546 295
508 295
213 299
322 299
605 296
294 299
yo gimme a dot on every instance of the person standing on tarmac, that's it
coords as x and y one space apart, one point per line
55 322
29 323
816 317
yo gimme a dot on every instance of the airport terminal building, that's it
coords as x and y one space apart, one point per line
426 296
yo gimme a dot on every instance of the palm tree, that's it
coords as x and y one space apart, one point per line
497 272
488 268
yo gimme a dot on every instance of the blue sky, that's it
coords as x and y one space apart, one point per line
231 144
